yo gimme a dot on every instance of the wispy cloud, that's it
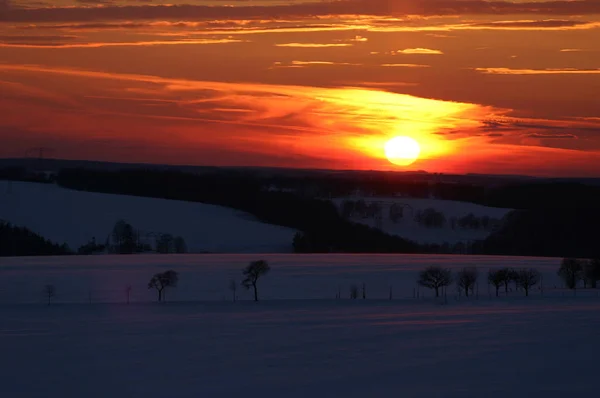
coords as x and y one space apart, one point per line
553 136
303 64
342 7
420 51
119 44
313 45
549 71
405 66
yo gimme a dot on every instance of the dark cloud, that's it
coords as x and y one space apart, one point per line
366 7
34 39
551 23
553 136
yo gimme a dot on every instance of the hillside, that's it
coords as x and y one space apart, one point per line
75 217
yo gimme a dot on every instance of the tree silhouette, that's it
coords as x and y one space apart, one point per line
128 289
163 280
233 288
180 246
466 279
527 278
434 278
124 238
353 292
571 271
253 272
506 275
591 272
50 292
497 278
513 276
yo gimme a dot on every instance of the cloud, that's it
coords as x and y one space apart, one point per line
303 64
533 24
299 9
336 125
390 25
405 66
558 71
35 38
313 45
553 136
421 51
51 45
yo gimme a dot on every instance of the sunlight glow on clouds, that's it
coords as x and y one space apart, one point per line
563 71
421 51
301 83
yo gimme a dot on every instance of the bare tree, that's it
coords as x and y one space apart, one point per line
527 278
163 280
128 289
253 272
353 292
50 292
591 272
435 278
233 288
571 271
466 279
513 276
497 278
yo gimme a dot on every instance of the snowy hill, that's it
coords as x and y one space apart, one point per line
460 221
74 217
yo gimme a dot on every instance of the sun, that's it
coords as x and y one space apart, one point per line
402 151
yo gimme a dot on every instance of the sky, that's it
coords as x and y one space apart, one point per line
499 87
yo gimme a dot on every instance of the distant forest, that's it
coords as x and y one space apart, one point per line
552 218
18 241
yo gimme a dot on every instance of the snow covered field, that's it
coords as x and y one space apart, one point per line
486 347
74 217
408 228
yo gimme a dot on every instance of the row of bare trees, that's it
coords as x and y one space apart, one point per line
252 273
162 281
572 271
437 278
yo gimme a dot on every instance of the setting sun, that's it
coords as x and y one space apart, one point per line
402 151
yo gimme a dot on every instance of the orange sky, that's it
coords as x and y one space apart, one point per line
506 87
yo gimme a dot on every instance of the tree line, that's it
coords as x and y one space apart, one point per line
20 241
161 282
572 272
438 278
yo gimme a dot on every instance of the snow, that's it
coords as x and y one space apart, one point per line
513 346
74 217
409 229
